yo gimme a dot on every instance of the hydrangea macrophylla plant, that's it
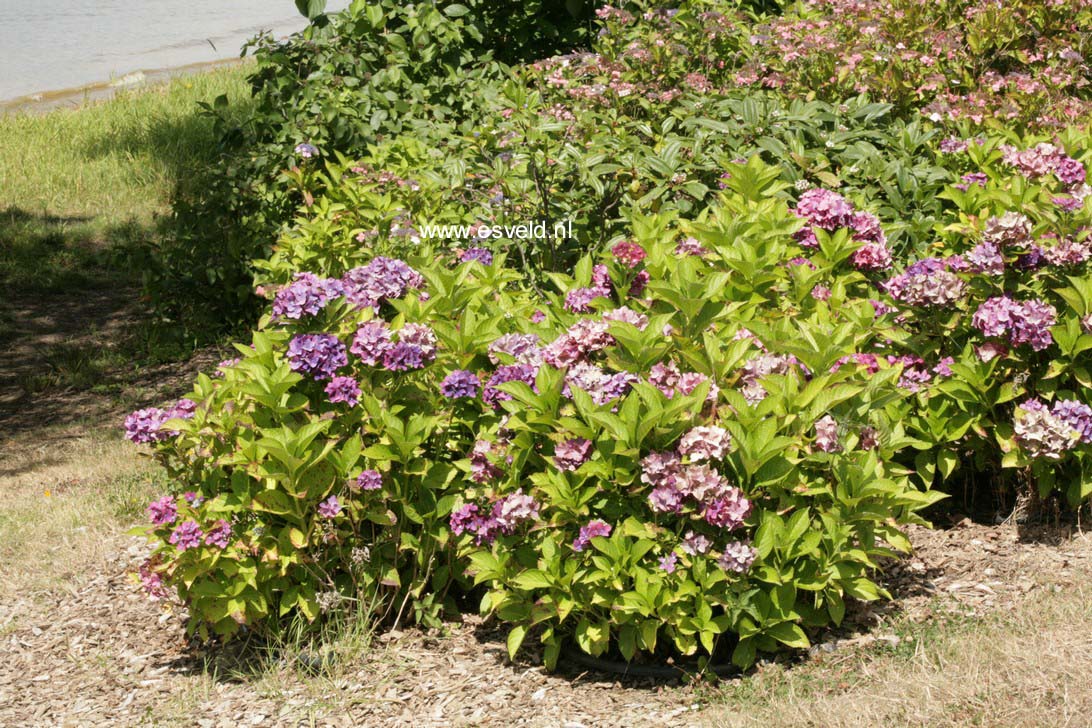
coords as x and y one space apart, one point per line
616 439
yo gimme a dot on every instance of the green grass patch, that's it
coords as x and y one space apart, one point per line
83 187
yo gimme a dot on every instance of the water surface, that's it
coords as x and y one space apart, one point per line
50 45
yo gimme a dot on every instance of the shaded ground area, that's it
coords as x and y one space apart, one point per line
70 357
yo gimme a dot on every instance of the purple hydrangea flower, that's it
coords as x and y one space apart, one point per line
329 508
306 295
469 519
1032 324
380 280
514 509
187 535
669 562
480 255
162 511
219 535
972 178
316 355
571 454
737 557
422 337
343 389
401 357
695 543
460 383
525 373
371 342
307 151
986 258
594 529
369 480
523 348
482 469
1077 415
143 426
1041 433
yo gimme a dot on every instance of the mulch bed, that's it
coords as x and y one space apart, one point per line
102 653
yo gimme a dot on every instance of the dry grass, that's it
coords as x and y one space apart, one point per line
65 495
1026 667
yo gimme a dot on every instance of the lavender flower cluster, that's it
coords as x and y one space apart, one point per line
829 211
1026 322
1050 433
145 426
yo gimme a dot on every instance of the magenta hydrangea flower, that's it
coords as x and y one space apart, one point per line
872 257
538 316
1031 324
152 581
690 246
595 529
628 253
953 145
316 355
162 511
369 480
737 557
306 295
329 508
628 316
219 535
571 454
824 209
729 511
187 535
460 384
343 389
579 300
994 316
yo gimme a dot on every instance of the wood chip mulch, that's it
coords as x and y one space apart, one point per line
100 653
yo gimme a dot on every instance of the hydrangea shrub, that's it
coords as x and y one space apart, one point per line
684 441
